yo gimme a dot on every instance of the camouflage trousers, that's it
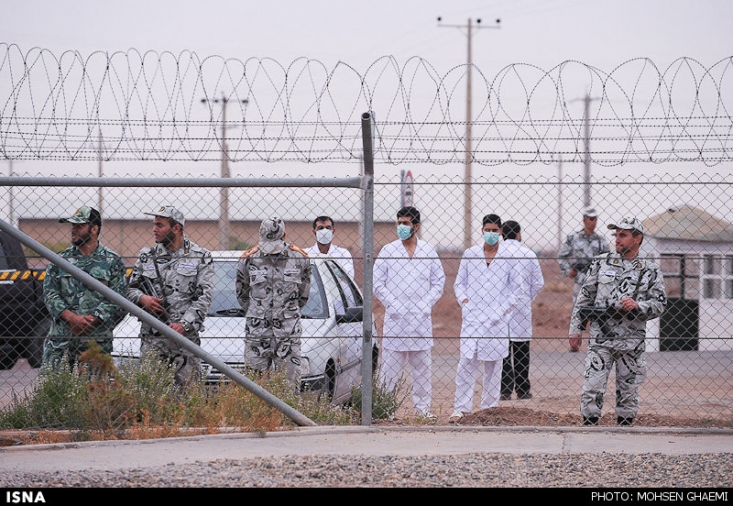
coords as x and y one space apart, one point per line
57 347
263 353
630 373
186 365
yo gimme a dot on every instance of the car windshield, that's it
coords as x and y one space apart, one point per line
225 296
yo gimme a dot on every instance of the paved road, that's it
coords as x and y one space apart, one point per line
368 441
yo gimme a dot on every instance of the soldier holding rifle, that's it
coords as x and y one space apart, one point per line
621 293
173 280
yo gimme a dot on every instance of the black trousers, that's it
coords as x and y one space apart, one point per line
515 370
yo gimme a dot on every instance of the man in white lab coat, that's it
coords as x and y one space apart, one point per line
408 280
515 372
489 286
324 229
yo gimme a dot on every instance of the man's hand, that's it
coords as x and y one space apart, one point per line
178 328
79 324
575 341
151 304
628 304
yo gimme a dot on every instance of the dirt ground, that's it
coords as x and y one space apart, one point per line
694 390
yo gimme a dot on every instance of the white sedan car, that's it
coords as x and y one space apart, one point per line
332 328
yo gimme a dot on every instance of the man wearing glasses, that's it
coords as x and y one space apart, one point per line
576 254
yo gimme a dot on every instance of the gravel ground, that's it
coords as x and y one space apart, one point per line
471 470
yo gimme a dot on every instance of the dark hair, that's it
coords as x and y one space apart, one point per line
409 212
173 222
511 229
95 219
324 219
491 218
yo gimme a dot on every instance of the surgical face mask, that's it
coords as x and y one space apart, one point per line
491 238
404 232
324 236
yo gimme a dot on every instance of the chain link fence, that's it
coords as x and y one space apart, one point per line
689 349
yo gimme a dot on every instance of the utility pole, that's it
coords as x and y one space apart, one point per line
11 212
100 173
224 191
467 197
559 203
586 154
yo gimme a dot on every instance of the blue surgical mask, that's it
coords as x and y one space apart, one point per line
491 238
404 232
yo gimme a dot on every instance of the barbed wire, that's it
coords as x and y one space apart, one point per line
161 106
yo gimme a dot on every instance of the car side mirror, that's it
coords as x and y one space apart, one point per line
352 315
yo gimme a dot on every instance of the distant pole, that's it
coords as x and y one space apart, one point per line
100 173
559 203
11 212
586 161
224 233
467 195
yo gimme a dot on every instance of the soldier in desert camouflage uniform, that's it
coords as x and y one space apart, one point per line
79 313
181 274
273 284
576 254
627 291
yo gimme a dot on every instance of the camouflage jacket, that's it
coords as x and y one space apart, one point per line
578 251
611 278
273 286
187 276
61 291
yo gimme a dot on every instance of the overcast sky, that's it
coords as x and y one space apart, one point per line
602 33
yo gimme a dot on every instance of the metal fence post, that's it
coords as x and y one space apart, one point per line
368 196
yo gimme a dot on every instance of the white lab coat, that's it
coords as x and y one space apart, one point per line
341 255
493 293
520 323
408 288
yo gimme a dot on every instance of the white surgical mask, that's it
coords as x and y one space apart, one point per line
324 236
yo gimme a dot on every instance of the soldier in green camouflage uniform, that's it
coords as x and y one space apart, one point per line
181 275
79 313
631 290
273 284
578 251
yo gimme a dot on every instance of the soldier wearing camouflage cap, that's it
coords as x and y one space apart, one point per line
173 280
79 313
577 252
620 294
273 285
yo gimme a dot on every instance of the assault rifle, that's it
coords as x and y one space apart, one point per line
599 314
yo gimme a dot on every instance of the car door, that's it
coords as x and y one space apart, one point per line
349 307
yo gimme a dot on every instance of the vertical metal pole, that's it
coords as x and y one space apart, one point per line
101 174
467 176
11 212
224 192
368 238
559 203
586 171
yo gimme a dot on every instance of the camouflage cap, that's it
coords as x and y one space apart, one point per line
84 214
628 224
590 212
272 231
169 212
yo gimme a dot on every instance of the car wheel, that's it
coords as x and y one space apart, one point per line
330 381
